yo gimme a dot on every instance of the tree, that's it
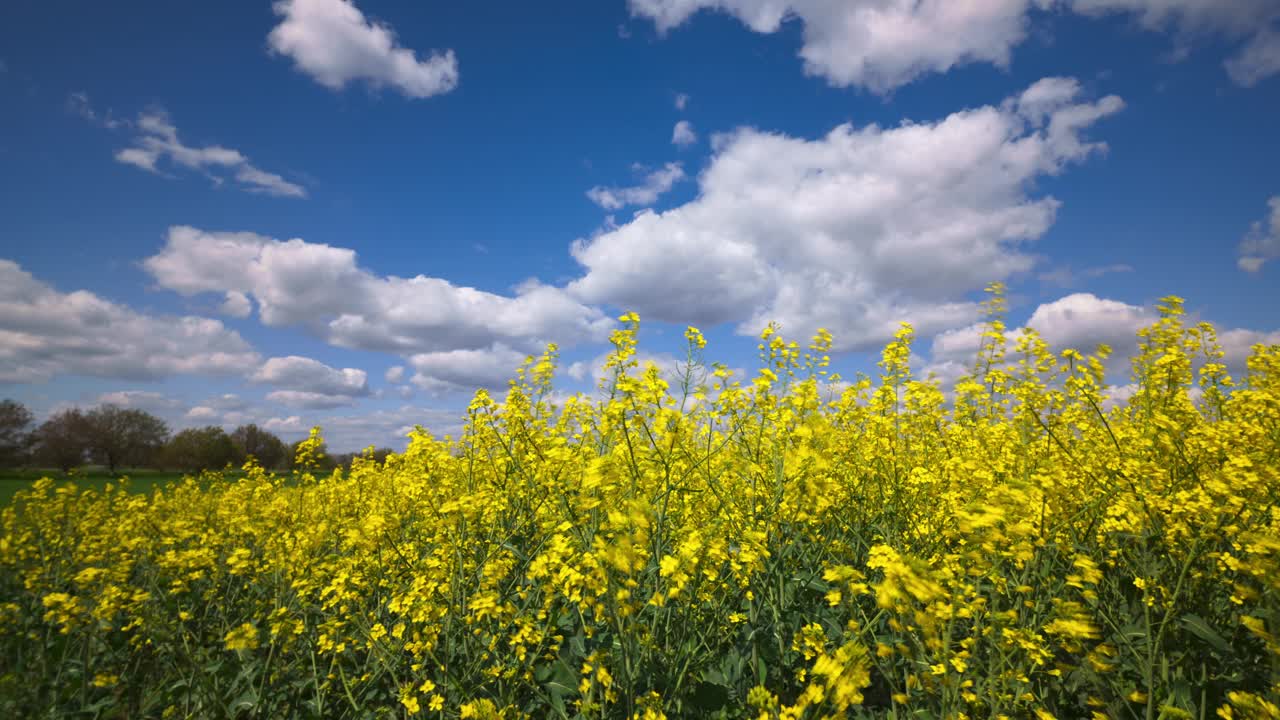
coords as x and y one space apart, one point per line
15 418
121 436
60 441
196 449
269 450
378 455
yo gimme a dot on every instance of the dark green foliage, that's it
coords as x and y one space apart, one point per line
116 436
196 449
15 440
264 446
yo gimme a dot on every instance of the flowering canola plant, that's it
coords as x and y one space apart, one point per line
781 546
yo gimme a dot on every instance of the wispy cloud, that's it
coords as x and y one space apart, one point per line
157 142
78 103
646 193
1262 243
683 134
1065 276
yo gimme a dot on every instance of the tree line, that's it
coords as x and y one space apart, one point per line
117 438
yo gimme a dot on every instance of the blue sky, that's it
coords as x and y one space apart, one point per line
251 212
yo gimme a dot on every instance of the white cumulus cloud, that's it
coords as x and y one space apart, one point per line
321 288
876 44
1083 321
1237 344
236 305
45 333
465 370
202 412
334 43
854 231
291 424
884 44
297 374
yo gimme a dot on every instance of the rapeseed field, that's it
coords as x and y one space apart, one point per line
784 545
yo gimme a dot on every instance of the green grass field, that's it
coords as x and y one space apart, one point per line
140 481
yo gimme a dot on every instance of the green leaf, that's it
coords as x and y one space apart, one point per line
714 676
1201 628
557 699
561 676
559 690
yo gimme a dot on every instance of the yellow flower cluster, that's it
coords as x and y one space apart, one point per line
786 545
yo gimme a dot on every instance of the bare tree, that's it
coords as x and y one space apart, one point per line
15 439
